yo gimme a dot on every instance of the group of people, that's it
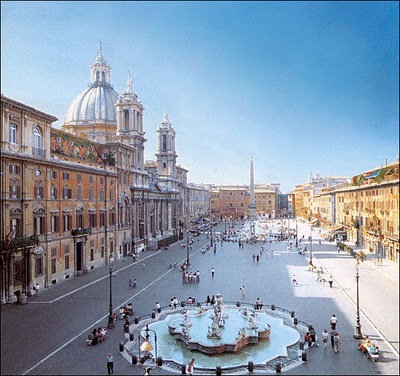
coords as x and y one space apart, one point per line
124 312
210 301
97 335
190 277
173 303
369 348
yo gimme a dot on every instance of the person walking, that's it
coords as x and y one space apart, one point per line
212 272
294 280
37 288
336 342
325 336
330 280
110 364
242 290
332 334
130 284
143 265
134 283
333 321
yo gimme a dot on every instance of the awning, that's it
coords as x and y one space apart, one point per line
373 175
314 220
336 227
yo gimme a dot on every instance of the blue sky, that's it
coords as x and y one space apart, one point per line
301 86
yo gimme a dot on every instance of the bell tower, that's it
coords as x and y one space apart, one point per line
130 123
166 153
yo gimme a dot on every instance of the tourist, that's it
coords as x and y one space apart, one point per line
332 333
190 366
197 276
333 321
242 290
110 364
208 300
330 280
175 302
259 304
213 300
254 257
158 307
134 283
294 280
130 284
212 272
325 336
313 336
307 338
336 342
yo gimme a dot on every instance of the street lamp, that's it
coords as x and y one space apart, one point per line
357 330
147 346
211 236
110 324
311 244
187 250
297 243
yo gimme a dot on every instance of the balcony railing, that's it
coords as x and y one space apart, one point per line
81 231
39 152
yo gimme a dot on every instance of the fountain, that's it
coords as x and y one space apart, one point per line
225 335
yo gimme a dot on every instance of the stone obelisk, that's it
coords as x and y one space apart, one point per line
252 206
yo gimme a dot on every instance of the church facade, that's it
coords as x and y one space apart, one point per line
75 198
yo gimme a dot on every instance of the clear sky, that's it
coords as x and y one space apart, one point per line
301 86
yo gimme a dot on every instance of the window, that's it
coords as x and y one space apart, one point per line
39 220
66 257
54 223
79 220
102 198
79 178
102 219
53 174
53 265
65 175
15 190
91 179
67 193
13 133
39 190
101 180
53 192
14 169
164 142
79 193
92 219
16 223
112 218
91 254
111 195
91 194
37 142
67 222
38 266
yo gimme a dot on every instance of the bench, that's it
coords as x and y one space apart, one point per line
374 357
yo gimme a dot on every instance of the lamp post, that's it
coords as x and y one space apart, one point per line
187 250
357 330
211 236
297 236
110 324
311 244
147 345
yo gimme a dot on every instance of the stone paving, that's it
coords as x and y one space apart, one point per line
47 335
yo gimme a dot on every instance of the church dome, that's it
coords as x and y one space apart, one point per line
96 103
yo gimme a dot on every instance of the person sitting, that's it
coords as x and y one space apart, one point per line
189 300
259 304
365 345
121 314
373 352
129 309
91 340
307 338
146 355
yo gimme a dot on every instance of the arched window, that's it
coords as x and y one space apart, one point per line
53 192
103 76
37 142
13 133
97 76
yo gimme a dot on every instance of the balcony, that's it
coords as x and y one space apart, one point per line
39 152
81 231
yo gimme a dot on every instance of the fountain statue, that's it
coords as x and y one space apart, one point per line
252 324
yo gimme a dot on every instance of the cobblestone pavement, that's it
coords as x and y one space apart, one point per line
47 335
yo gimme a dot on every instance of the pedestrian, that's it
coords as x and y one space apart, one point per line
338 249
190 366
294 280
130 284
325 336
330 280
254 257
332 334
336 342
242 290
258 258
197 276
126 329
134 283
175 302
143 265
333 321
212 272
158 307
208 300
37 288
110 364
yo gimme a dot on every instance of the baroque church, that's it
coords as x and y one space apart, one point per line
81 196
